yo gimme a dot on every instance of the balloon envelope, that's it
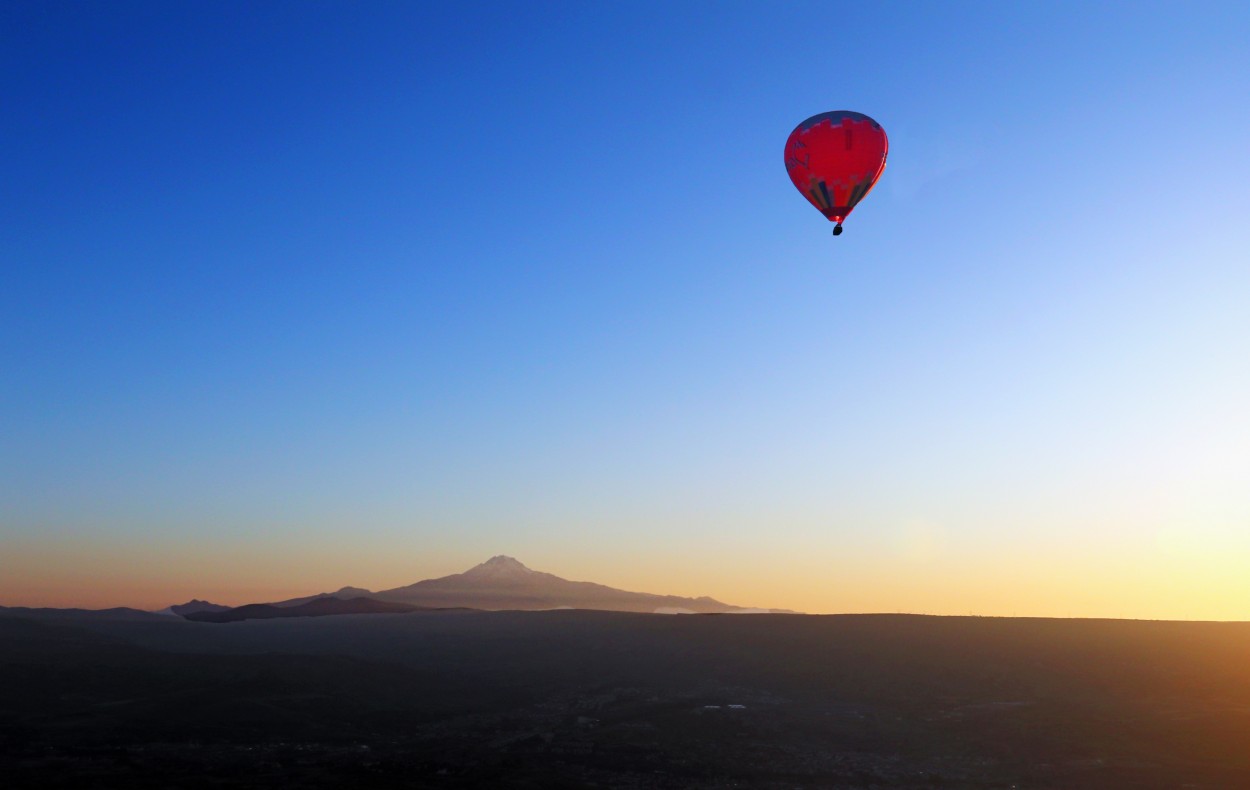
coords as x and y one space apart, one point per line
834 159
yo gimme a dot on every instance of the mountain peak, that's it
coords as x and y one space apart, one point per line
502 582
504 559
499 565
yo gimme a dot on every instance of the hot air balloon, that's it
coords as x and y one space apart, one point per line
834 159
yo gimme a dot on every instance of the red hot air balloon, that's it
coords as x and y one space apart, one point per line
834 159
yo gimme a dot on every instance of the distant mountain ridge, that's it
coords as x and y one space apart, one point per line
343 593
500 583
114 613
193 606
503 582
320 607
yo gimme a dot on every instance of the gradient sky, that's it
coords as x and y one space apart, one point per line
294 296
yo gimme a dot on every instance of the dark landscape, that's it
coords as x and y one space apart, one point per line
589 698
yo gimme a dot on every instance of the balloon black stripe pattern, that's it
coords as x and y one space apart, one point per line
857 194
818 199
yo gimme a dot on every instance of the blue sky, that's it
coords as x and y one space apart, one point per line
369 292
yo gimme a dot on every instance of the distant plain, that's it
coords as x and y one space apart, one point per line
580 698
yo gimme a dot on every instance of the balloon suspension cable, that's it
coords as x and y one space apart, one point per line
837 229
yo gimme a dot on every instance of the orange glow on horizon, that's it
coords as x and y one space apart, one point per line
1135 586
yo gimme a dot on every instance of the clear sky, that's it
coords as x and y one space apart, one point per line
300 295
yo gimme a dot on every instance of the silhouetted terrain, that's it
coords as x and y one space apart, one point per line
195 606
503 583
318 607
116 613
343 592
573 698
